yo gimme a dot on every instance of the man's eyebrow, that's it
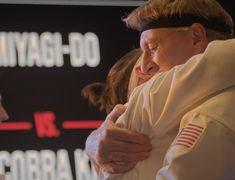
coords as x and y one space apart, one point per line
155 38
153 42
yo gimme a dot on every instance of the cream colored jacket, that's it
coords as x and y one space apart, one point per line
157 107
204 149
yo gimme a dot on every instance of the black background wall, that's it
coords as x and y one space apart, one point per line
46 109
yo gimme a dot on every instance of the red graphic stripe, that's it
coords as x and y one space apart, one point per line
187 134
86 124
15 126
196 126
187 137
184 141
193 129
182 144
191 132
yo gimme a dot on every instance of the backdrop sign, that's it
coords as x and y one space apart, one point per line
47 55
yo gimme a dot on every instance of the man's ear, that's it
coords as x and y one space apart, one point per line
199 37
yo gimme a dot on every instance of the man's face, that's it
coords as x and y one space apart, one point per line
165 48
3 113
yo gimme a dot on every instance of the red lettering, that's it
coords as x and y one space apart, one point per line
45 124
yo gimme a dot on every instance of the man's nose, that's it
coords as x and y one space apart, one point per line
148 67
3 114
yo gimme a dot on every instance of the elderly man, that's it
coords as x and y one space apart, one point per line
171 33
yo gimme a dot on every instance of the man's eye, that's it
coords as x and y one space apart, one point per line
153 49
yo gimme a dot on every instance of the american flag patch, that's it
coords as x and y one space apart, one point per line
189 135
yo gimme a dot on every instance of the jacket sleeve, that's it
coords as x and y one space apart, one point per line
204 149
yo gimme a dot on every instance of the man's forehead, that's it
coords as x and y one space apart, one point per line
153 35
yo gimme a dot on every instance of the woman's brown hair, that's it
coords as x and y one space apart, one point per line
115 89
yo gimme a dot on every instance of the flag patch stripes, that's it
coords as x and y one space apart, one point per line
189 135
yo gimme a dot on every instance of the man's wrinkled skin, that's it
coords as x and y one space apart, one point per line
114 148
